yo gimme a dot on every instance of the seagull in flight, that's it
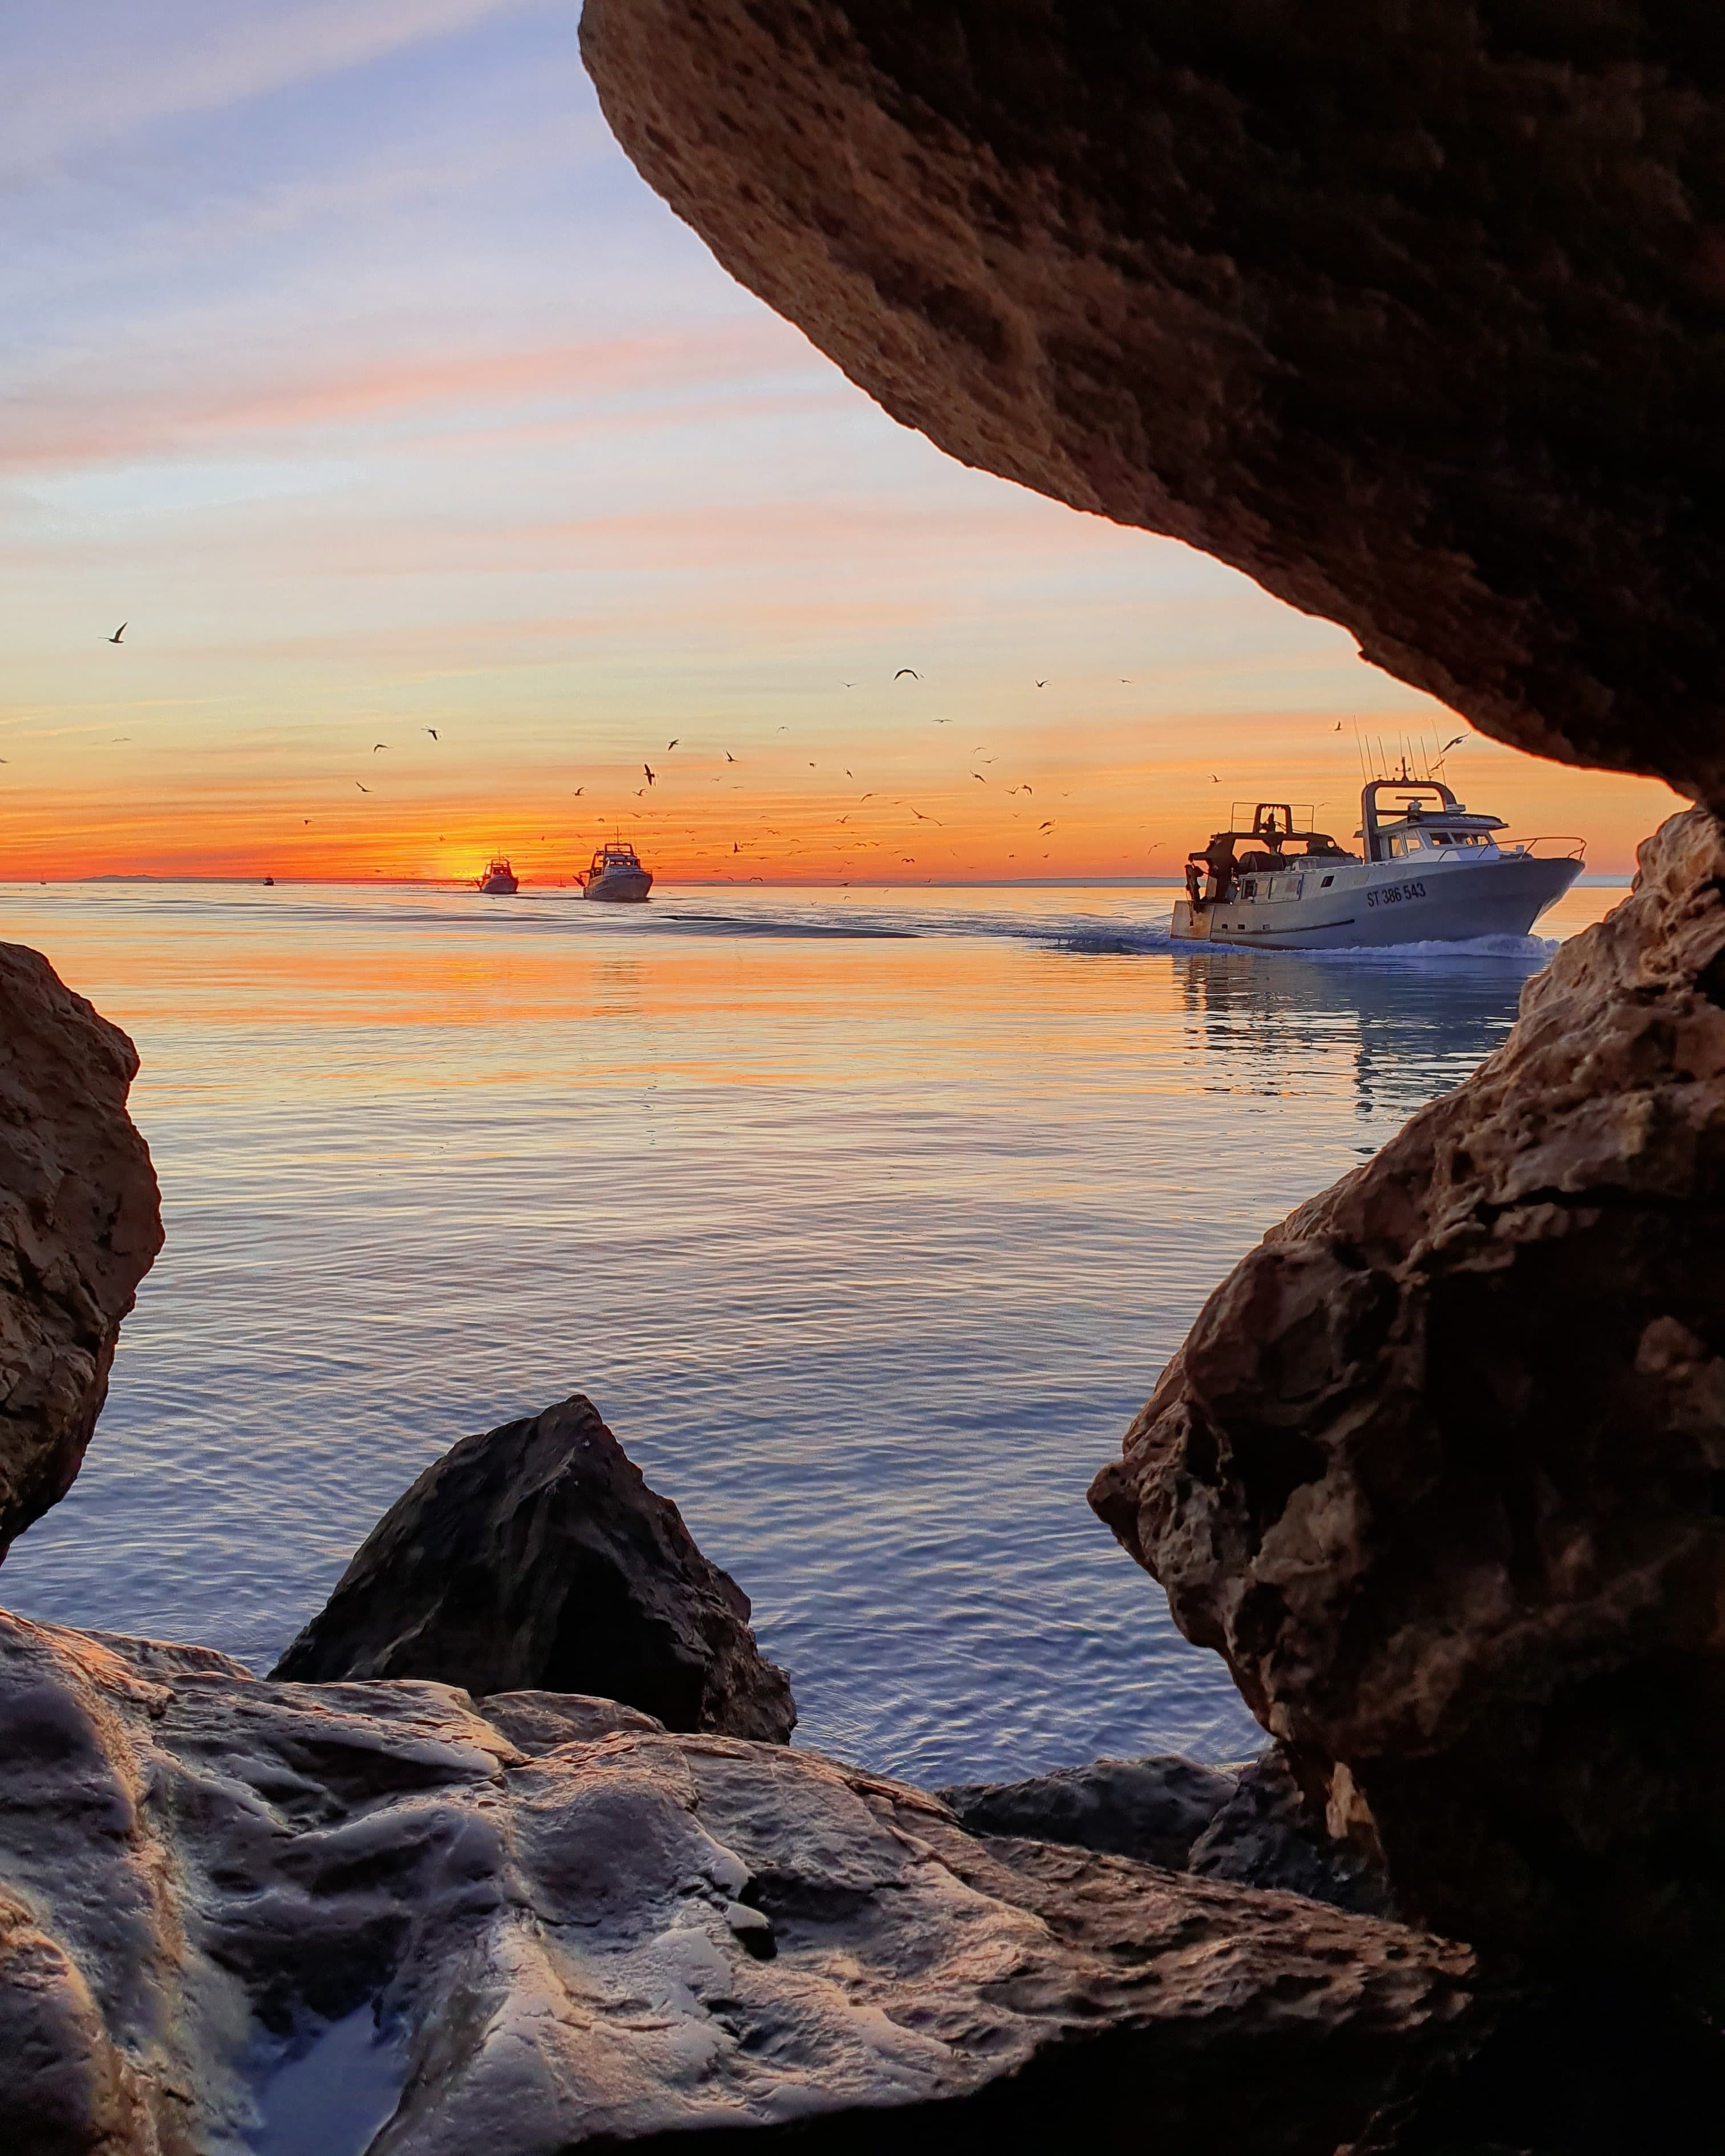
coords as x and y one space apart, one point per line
363 789
1042 684
978 777
1048 826
670 745
1449 744
647 769
117 634
376 745
432 731
911 670
729 758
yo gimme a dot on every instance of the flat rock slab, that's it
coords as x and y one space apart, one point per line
80 1223
231 1908
535 1558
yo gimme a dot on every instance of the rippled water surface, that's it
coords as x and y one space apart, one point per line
868 1219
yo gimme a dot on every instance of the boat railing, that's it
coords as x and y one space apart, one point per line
1568 848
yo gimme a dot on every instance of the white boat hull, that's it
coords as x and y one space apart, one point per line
1324 906
620 886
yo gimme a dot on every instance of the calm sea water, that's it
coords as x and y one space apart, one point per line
868 1219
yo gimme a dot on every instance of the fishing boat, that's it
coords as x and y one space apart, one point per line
616 874
499 880
1429 871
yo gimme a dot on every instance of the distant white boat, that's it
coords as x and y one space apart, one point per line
1428 871
616 874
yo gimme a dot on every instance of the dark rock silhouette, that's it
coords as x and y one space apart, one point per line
1152 1810
215 1890
80 1223
1439 1468
1268 1833
534 1558
1410 312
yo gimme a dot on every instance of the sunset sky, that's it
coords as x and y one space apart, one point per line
350 362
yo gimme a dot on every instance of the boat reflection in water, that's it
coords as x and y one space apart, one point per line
1428 871
616 874
1415 1027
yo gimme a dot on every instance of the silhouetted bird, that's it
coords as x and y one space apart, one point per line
670 745
729 758
117 634
363 789
376 745
1042 684
647 769
911 670
432 731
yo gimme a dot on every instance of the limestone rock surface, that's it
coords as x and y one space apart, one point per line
1412 310
80 1223
534 1558
1153 1809
1441 1468
227 1903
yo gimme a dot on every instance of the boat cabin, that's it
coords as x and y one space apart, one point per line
615 853
1276 836
1415 828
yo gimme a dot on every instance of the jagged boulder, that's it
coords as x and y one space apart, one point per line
239 1913
534 1558
1441 1468
1268 1832
80 1224
1409 308
1152 1810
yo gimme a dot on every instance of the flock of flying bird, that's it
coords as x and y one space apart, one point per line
651 777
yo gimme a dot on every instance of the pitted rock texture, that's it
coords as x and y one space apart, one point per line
1441 1468
224 1898
1412 310
1153 1809
80 1223
534 1558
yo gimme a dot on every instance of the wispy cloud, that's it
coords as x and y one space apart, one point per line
81 416
80 75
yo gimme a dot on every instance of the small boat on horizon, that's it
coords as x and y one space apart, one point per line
615 875
1427 872
499 880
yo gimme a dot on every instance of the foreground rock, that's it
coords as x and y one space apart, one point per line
1439 1467
534 1557
80 1223
1153 1809
1410 313
225 1903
